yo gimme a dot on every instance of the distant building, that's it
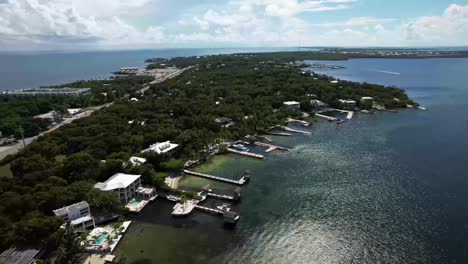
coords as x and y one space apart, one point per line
161 148
79 215
21 255
51 116
137 161
347 102
74 111
334 81
65 91
124 185
292 105
317 103
367 99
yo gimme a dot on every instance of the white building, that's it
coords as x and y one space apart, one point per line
317 103
292 105
161 148
137 161
347 102
334 81
74 111
79 215
52 117
367 99
124 185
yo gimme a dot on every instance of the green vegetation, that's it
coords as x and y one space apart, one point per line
248 89
70 249
16 112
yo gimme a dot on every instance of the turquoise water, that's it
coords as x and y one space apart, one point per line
136 202
381 188
31 70
100 239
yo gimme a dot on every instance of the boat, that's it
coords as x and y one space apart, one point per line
173 198
240 147
422 108
183 209
224 207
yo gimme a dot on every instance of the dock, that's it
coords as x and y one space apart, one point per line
330 118
208 209
223 196
279 134
304 123
230 217
265 138
270 146
294 130
244 153
242 181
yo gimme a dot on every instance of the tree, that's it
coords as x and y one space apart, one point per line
70 249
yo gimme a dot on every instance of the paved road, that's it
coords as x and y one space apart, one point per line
13 149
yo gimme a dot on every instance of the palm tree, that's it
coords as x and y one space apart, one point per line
70 249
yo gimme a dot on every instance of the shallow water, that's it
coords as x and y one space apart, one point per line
381 188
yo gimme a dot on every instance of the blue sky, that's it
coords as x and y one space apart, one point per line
133 24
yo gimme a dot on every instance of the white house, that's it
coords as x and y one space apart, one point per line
367 99
161 148
292 105
334 81
124 185
137 161
317 103
347 102
79 215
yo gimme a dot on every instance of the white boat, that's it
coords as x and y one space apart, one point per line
173 198
183 209
224 207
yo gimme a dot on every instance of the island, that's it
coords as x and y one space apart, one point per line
150 128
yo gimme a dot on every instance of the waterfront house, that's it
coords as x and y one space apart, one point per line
366 98
137 161
347 102
161 148
292 105
123 185
79 216
317 103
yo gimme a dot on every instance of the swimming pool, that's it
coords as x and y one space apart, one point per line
135 202
100 239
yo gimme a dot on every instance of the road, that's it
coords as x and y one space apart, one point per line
13 149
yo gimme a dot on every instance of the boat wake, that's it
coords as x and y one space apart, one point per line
388 72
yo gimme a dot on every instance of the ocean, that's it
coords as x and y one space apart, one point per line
35 69
380 188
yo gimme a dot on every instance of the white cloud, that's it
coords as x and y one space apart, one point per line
359 22
449 28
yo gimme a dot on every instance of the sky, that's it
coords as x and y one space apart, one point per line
135 24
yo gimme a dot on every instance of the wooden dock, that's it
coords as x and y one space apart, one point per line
326 117
270 146
208 209
223 196
244 153
242 181
294 130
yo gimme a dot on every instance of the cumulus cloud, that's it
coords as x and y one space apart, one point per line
107 23
449 28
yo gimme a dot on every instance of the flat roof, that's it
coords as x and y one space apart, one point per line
65 210
82 220
117 181
18 255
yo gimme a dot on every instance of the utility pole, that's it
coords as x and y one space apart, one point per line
22 136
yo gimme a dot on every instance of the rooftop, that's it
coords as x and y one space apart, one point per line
291 103
82 220
163 147
65 210
17 255
117 181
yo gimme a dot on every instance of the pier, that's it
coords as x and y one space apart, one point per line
279 134
294 130
270 146
223 196
265 138
208 209
244 153
242 181
330 118
304 123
